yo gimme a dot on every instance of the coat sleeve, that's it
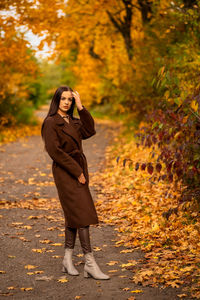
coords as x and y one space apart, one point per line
55 151
87 128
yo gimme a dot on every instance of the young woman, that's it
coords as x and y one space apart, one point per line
62 134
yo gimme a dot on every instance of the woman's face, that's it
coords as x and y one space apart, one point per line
65 101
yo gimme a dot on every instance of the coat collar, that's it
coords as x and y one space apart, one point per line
68 128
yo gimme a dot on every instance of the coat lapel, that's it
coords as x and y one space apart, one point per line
67 128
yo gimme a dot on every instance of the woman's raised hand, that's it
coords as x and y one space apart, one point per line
77 100
81 178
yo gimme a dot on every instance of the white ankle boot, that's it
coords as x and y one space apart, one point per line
92 269
68 265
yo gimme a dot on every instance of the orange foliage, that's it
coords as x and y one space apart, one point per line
138 207
15 59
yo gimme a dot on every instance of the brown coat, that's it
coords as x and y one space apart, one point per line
63 143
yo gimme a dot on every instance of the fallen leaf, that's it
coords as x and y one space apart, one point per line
112 262
38 272
128 265
126 289
44 278
97 249
26 289
62 280
127 251
45 242
29 267
7 294
27 227
17 223
39 250
33 217
80 255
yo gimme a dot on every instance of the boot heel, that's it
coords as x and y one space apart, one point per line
64 270
86 274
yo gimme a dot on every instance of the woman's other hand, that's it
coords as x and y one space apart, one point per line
77 100
82 179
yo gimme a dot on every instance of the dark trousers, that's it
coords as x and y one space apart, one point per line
84 237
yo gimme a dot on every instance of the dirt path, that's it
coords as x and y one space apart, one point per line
32 234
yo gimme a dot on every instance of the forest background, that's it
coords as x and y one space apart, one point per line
137 61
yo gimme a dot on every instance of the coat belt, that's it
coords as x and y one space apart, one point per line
76 151
79 154
79 157
81 160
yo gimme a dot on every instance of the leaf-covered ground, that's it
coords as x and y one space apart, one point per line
13 133
146 215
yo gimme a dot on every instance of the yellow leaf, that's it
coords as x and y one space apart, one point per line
80 255
62 280
30 180
56 244
126 289
51 228
119 242
32 217
27 227
126 251
26 289
45 241
39 250
128 265
97 249
194 105
29 267
137 291
112 262
38 272
155 227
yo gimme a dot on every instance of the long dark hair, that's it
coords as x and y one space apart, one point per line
54 105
